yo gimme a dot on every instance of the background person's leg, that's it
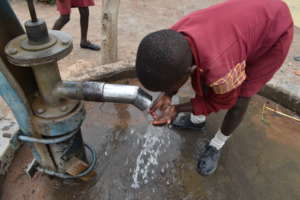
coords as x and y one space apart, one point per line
61 21
64 8
84 25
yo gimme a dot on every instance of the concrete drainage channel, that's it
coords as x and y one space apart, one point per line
282 96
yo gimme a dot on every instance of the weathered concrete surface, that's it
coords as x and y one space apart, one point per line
137 161
109 72
8 146
83 64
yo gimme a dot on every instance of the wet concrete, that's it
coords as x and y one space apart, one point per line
137 161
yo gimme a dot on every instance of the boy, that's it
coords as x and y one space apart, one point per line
64 7
230 50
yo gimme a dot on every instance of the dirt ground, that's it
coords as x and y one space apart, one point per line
135 21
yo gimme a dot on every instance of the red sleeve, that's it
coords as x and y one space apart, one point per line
211 102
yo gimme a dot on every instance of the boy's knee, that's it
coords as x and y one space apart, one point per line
84 11
242 103
65 18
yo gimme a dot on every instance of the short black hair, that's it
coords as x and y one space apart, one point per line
163 58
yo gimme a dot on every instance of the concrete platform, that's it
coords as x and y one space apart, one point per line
8 146
82 65
137 161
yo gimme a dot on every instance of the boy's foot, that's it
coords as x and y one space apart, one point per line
208 161
184 122
89 45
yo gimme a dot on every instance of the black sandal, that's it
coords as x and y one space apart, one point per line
90 46
184 122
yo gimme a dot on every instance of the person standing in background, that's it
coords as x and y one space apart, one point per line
64 8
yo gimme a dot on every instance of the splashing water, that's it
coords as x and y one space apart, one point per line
155 140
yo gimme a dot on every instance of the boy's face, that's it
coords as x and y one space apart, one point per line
178 85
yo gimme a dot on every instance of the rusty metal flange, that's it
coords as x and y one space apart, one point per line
60 125
21 53
41 109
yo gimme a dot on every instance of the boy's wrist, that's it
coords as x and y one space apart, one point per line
170 94
176 108
186 107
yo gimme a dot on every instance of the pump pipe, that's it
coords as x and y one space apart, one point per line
104 92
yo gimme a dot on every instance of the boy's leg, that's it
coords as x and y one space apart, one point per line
208 161
84 25
234 116
198 119
266 65
232 119
189 121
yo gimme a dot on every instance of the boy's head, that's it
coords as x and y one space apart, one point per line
163 61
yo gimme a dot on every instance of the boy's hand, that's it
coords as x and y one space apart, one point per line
166 117
161 103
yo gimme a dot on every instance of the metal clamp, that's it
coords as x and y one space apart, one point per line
67 176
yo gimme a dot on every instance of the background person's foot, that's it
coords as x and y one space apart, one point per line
208 161
89 45
184 122
297 58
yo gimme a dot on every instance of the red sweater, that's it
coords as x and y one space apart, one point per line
223 39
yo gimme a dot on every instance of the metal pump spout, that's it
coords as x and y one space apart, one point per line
104 92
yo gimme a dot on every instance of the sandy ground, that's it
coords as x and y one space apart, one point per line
135 21
294 7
